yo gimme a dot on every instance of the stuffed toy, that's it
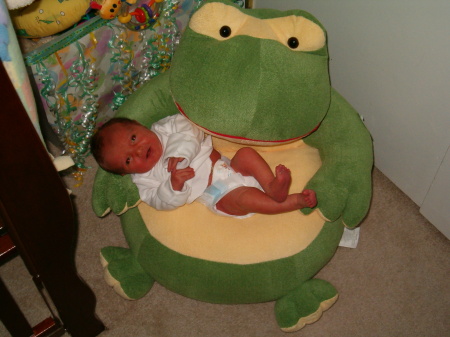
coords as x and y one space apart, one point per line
255 77
14 4
36 19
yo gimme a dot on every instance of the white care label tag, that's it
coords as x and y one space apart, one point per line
350 238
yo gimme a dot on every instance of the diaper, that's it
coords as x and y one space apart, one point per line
224 180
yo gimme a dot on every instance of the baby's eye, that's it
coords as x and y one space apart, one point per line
133 138
127 162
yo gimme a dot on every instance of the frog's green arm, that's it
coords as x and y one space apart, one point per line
112 192
343 183
151 102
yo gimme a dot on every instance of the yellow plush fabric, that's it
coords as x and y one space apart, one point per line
47 17
195 231
311 36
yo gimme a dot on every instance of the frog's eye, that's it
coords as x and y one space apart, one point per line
298 33
217 20
225 31
293 43
223 22
133 138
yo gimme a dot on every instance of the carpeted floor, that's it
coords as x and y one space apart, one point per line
395 283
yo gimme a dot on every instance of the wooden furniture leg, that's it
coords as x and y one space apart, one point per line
37 212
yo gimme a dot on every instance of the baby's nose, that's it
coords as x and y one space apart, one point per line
140 151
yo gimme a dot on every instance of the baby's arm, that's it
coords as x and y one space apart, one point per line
161 195
182 145
183 139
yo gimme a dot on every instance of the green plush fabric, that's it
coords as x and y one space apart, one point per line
112 192
262 90
265 81
344 181
221 282
151 102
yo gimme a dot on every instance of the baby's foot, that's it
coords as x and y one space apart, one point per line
279 188
307 199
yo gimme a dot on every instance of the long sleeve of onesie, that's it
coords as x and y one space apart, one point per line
179 139
183 140
161 195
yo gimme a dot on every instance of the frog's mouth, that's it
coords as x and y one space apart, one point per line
244 139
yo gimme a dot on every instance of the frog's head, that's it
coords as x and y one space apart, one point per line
255 76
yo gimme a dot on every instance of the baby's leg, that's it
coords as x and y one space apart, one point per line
245 200
248 162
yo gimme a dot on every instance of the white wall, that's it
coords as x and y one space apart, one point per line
391 61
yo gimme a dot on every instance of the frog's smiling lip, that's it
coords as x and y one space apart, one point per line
243 139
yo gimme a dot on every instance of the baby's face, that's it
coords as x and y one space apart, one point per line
130 148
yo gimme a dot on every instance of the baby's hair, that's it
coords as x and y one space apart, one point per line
97 141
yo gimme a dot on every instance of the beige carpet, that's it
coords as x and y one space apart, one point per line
395 283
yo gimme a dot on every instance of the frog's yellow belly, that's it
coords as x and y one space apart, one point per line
194 231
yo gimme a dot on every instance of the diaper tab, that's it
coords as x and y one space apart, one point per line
215 192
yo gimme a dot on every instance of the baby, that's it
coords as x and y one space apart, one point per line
173 164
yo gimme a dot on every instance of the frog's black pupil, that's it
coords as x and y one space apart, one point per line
225 31
115 6
293 42
111 10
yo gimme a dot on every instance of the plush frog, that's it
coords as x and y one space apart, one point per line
256 78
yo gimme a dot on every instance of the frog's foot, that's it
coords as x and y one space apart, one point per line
124 273
304 305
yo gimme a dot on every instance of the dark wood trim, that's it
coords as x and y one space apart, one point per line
48 327
38 215
7 248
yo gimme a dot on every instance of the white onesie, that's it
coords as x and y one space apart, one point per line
179 138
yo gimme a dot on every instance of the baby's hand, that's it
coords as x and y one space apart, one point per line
179 177
172 163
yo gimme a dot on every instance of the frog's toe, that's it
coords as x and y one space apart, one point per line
124 273
304 305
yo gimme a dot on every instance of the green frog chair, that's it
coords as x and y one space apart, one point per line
248 77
